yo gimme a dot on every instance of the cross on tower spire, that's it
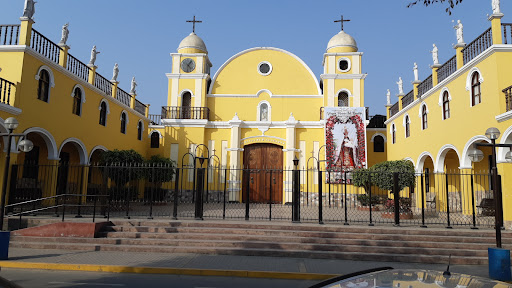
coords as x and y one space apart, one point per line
194 21
342 20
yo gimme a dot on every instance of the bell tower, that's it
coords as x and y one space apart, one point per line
343 80
190 77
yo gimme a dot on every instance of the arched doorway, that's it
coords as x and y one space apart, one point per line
70 176
263 173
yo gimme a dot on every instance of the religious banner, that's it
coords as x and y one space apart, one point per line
345 139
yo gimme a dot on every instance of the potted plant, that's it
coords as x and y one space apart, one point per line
404 208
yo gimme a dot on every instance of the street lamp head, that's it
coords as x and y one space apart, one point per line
26 145
476 155
295 161
492 133
11 123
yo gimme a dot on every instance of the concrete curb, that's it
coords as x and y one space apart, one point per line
163 270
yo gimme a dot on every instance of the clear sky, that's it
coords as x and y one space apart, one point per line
139 35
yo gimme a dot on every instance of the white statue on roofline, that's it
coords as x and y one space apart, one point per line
65 34
133 86
400 86
94 52
388 97
435 55
415 70
30 9
496 7
460 32
116 73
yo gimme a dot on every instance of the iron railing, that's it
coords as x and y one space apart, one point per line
447 69
6 88
424 86
477 46
45 46
176 112
508 98
123 96
9 34
212 191
103 84
394 110
507 32
140 107
408 99
78 68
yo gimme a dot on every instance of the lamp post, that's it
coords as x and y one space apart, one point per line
296 192
200 182
26 146
476 156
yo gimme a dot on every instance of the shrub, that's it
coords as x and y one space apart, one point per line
404 205
383 174
365 200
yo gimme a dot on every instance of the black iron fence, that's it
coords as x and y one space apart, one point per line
477 46
6 88
447 69
184 112
78 68
45 46
305 195
425 86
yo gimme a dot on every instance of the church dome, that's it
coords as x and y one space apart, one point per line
342 42
192 44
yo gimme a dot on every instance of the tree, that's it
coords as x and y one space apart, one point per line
160 169
383 174
451 3
362 178
121 165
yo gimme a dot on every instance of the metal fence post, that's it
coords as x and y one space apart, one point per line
247 194
176 185
296 196
320 196
473 202
396 193
370 194
199 194
225 190
422 202
345 199
447 203
270 198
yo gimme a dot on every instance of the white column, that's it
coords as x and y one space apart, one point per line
234 175
290 150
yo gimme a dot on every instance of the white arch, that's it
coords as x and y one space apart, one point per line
421 161
409 159
98 147
470 76
51 145
185 91
445 89
126 114
106 103
379 134
4 139
392 129
52 78
506 138
81 88
406 116
140 121
468 83
155 131
82 151
269 112
264 91
348 93
466 161
441 155
421 109
266 48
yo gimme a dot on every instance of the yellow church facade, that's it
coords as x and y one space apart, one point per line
438 124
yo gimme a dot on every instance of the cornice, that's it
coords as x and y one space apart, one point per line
10 109
186 76
343 76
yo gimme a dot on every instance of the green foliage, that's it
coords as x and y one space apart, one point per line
159 169
382 175
451 3
121 165
365 200
362 178
121 157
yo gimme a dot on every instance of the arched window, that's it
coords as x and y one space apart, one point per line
393 133
103 114
378 144
140 128
186 100
446 105
407 126
77 101
123 123
44 86
343 99
155 140
476 96
424 119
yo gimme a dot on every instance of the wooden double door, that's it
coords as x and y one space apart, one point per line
263 173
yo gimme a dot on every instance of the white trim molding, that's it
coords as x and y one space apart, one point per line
49 140
466 161
420 164
121 117
379 134
506 138
98 147
82 151
82 90
439 165
470 76
445 89
155 131
343 76
269 111
52 79
349 64
259 68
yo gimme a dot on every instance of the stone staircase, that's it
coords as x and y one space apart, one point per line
391 244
